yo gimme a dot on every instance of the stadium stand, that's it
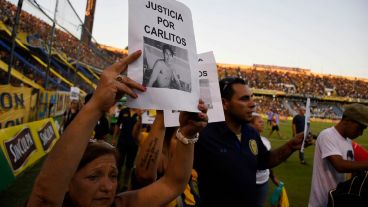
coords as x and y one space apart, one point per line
31 53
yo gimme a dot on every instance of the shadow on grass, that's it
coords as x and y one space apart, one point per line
17 193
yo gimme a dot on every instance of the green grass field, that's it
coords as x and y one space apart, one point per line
297 177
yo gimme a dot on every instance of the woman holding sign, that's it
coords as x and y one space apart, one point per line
81 173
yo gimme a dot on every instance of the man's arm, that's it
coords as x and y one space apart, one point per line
179 169
149 153
347 166
275 157
293 128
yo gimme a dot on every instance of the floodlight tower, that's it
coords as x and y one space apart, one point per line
88 21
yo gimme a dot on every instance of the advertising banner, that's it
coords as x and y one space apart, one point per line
23 145
15 105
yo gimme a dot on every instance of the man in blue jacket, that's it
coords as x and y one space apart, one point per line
229 153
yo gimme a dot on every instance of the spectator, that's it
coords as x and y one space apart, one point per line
275 122
70 113
153 158
101 129
262 175
127 129
228 154
114 111
269 114
333 155
90 178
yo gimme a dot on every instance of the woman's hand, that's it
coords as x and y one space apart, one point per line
192 123
113 86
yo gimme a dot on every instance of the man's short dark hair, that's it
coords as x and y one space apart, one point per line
167 47
226 86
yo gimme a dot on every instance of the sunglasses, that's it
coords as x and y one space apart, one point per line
228 82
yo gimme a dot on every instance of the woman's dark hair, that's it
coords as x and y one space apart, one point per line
97 149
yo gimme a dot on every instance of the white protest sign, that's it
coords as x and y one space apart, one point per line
74 93
163 30
209 91
307 124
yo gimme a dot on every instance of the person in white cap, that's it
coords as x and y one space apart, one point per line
334 155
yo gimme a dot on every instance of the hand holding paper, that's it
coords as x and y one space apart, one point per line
163 30
307 125
191 123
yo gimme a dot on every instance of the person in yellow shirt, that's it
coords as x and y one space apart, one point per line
153 158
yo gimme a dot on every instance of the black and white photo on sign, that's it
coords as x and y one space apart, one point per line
163 31
165 66
209 91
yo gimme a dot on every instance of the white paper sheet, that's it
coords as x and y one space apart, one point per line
209 91
163 30
307 124
148 117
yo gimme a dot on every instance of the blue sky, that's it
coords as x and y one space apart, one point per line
326 36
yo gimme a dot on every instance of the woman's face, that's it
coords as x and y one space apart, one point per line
258 124
95 184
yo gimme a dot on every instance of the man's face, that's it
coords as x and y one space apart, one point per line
168 56
354 129
241 106
301 111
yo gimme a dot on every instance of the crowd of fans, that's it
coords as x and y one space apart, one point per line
266 103
288 107
319 109
301 82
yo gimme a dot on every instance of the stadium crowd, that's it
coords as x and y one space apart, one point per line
301 82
